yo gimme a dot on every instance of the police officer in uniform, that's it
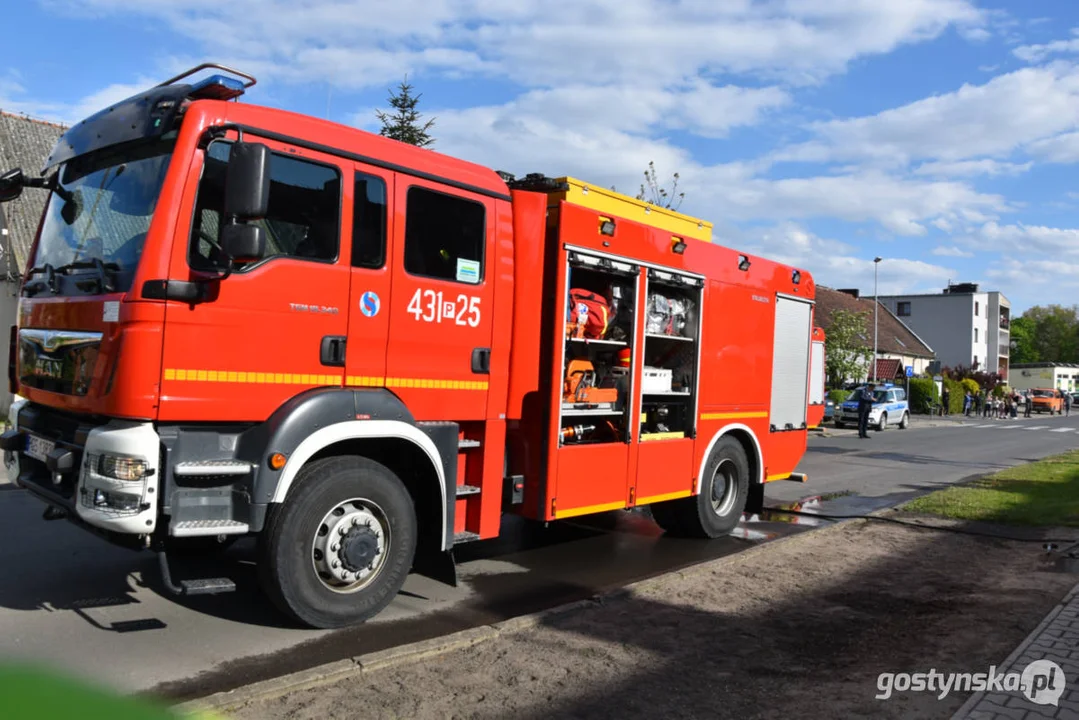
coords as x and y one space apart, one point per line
865 404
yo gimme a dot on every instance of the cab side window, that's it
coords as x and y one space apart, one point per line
369 222
444 236
303 220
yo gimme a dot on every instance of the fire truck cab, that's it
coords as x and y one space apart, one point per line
238 320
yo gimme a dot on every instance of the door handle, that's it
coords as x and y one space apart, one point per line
332 350
481 361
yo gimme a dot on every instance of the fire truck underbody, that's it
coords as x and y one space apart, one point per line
238 320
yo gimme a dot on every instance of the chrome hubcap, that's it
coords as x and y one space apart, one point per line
349 546
724 487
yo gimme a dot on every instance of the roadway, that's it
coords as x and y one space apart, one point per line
74 602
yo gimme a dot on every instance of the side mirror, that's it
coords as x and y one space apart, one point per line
247 181
11 185
243 243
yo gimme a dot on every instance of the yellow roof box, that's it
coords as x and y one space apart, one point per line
609 202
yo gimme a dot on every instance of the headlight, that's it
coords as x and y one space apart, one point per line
121 467
124 502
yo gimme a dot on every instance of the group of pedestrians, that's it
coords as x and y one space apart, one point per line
984 404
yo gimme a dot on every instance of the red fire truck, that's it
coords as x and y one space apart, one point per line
238 320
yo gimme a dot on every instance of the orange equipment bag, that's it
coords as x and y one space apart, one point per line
580 385
590 312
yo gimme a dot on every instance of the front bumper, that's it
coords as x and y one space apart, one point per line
64 461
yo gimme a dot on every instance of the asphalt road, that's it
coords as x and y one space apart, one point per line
71 601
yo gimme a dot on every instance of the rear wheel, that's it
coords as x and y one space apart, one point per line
717 508
340 547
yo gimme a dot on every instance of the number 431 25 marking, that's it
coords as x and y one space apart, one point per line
430 306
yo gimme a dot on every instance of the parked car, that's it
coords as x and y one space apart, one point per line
890 407
1047 399
829 409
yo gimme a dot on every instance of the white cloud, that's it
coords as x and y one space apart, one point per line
1063 148
1038 53
14 98
832 263
1021 273
951 251
555 42
993 119
971 168
1028 239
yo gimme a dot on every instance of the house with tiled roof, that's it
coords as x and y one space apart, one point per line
898 347
24 143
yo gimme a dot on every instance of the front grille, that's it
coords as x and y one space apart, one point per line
59 361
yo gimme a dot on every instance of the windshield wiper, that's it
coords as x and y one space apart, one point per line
49 283
104 282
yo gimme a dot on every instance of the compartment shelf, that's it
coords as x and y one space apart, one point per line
577 412
591 341
659 336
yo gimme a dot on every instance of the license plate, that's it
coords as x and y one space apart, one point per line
38 447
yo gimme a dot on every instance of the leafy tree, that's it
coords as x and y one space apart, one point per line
1023 330
404 122
846 354
1056 332
653 194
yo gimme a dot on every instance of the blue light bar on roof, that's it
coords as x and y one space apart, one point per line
216 87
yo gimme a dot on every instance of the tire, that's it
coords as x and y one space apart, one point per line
346 497
883 422
698 516
840 425
905 422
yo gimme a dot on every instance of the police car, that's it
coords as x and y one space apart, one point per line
889 408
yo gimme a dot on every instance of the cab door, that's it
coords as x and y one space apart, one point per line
259 336
438 356
372 224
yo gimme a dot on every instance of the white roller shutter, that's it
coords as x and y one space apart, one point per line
790 363
816 375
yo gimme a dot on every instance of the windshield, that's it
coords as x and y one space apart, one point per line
878 395
1043 393
99 213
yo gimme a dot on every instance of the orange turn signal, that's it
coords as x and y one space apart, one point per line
277 461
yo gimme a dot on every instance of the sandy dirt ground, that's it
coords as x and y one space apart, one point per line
796 629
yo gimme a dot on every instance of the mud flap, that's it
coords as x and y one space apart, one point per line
440 566
755 498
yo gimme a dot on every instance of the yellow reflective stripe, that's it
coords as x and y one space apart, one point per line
662 498
733 415
252 377
589 509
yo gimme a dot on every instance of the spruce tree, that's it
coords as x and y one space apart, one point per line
403 123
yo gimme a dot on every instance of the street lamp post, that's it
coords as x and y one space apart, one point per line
876 309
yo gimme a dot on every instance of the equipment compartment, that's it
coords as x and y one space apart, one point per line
599 340
671 356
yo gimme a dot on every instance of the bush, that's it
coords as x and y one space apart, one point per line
923 391
1000 390
956 392
970 385
839 396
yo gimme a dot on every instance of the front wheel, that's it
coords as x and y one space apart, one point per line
883 422
840 425
717 508
905 422
340 547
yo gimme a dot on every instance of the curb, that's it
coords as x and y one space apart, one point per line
964 711
342 669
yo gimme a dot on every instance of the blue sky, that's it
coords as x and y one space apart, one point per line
942 135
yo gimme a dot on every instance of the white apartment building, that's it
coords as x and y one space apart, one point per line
964 325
